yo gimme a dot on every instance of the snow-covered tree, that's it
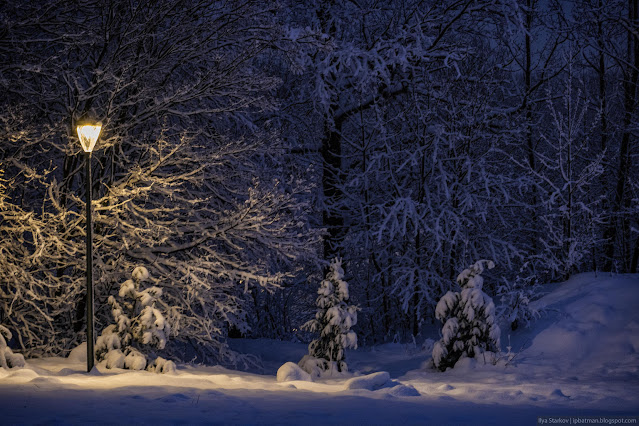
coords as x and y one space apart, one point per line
569 212
140 326
333 322
187 175
8 359
470 328
34 302
430 131
515 297
395 103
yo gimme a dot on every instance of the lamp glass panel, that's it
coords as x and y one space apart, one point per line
88 135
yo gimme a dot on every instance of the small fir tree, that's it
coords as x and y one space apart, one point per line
515 297
139 323
470 327
333 321
7 358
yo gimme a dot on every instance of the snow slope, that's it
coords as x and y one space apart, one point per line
581 358
583 353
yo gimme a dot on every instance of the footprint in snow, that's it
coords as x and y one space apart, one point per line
137 397
558 393
178 397
445 387
446 398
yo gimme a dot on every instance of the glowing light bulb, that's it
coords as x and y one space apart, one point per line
88 134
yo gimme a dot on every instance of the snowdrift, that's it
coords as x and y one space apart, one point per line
581 357
591 326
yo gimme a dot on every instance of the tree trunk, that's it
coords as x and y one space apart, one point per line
603 105
530 145
630 88
331 178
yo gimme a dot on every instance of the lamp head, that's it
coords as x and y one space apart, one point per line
88 134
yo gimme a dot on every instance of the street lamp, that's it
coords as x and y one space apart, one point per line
88 134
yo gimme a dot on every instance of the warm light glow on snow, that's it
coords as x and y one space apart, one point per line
582 356
88 134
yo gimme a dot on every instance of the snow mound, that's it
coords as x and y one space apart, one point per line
403 390
291 371
369 382
592 321
79 353
45 381
22 375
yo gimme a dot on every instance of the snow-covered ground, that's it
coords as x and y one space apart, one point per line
580 358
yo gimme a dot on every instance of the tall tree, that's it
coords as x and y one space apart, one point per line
620 214
184 176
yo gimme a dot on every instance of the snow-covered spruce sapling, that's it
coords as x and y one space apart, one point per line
139 327
515 297
7 358
333 321
470 327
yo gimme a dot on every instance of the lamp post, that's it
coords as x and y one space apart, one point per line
88 134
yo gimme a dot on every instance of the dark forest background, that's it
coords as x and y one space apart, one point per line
247 143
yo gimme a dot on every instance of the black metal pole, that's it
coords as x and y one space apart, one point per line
90 352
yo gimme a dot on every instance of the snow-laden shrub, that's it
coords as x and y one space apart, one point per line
318 367
7 358
515 297
161 365
470 328
140 326
291 371
333 321
370 381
